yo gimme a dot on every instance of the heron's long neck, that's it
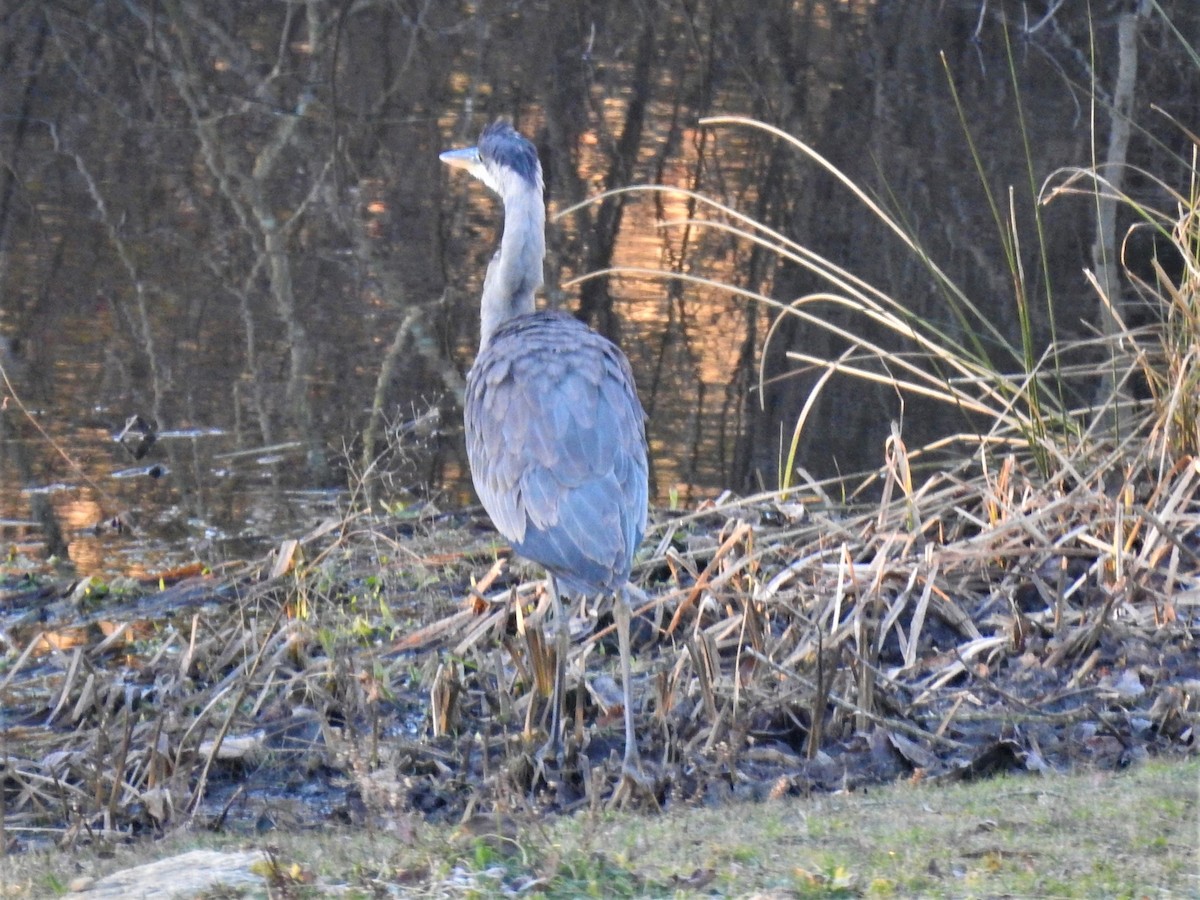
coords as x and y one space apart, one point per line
515 272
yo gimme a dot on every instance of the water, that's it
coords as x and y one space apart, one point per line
229 220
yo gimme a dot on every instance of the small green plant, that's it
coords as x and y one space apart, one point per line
831 880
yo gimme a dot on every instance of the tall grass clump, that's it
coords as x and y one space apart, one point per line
1174 377
1168 357
1162 357
1039 402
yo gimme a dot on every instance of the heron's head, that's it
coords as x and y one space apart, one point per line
503 160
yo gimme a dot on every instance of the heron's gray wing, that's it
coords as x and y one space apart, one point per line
556 442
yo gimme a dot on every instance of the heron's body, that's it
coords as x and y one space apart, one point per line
556 444
555 432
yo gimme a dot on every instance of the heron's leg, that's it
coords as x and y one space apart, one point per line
622 613
553 746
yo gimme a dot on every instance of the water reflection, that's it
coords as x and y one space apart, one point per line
230 220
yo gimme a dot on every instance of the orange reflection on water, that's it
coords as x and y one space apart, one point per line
685 340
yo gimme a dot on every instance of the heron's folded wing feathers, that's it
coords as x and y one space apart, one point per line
556 442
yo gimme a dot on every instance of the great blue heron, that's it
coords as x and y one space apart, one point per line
555 432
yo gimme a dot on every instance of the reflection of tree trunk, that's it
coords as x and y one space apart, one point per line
787 200
566 119
1104 250
12 163
257 386
299 348
139 318
41 510
251 197
753 462
595 306
276 248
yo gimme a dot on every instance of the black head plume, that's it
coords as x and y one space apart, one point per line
501 145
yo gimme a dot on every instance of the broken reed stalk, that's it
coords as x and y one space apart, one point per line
239 689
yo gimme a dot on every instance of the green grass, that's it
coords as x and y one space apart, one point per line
1093 834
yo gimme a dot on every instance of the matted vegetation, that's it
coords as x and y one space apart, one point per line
966 626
